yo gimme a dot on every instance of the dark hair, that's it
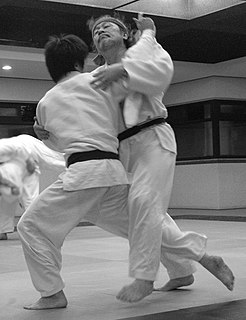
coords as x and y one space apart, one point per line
62 53
116 16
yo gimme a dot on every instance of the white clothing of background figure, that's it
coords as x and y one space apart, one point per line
14 152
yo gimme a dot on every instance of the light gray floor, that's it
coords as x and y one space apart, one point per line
95 267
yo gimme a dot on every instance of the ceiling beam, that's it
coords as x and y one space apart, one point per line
125 4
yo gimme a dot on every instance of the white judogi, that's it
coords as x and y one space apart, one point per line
14 152
78 119
151 162
7 214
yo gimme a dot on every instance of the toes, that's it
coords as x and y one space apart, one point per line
224 273
122 295
176 283
125 296
128 294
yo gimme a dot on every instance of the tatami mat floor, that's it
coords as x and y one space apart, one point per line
95 266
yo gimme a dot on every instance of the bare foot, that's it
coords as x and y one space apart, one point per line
3 236
136 291
219 269
177 283
56 301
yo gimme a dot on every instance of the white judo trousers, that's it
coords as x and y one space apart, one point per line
8 207
151 162
148 226
47 221
50 217
7 214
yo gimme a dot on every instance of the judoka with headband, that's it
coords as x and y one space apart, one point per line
151 159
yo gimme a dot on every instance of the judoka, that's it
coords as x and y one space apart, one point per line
22 159
151 159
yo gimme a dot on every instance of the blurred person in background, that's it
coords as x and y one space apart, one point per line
22 159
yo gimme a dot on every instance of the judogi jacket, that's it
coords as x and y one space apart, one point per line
150 71
80 118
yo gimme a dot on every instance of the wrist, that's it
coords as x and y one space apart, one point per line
149 31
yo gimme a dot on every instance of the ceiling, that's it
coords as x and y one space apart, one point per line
182 9
205 31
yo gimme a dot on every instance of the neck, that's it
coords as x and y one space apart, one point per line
69 75
114 55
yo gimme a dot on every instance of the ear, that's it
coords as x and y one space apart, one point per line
78 67
125 36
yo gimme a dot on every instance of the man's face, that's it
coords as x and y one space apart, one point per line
107 35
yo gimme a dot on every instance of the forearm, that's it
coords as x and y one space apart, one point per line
148 65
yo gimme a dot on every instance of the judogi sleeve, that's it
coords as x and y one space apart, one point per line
43 120
149 67
48 158
11 150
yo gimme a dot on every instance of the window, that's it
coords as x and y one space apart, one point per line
211 129
16 118
232 129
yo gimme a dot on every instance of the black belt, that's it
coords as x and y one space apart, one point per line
90 155
139 127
